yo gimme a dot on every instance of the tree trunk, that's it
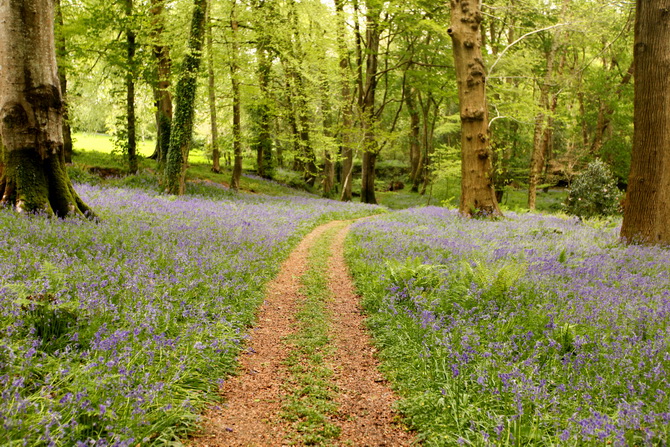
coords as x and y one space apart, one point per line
130 89
162 91
370 146
477 192
414 136
647 205
237 137
182 125
61 55
346 125
33 177
216 166
263 140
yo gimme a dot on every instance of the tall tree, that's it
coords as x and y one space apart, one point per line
162 94
61 54
477 192
130 87
265 12
647 205
216 165
182 125
32 166
234 74
346 100
367 104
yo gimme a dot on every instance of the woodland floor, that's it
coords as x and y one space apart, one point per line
253 400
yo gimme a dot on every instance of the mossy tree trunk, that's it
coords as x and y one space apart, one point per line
33 177
182 125
647 205
477 192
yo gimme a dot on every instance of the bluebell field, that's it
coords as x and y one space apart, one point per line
529 330
118 332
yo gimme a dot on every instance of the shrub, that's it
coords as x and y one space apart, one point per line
593 192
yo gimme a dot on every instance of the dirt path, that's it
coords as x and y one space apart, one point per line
250 415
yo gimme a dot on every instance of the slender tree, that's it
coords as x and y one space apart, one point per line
367 104
647 205
216 165
477 192
234 74
32 166
182 125
162 93
61 55
130 87
346 99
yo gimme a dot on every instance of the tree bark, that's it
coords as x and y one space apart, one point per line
216 165
414 138
370 146
263 141
477 191
130 89
347 121
162 91
235 84
33 177
182 125
647 205
61 55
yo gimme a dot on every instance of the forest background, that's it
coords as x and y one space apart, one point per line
312 91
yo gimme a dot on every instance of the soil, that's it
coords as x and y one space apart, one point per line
250 414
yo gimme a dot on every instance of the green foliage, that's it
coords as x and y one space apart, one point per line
593 192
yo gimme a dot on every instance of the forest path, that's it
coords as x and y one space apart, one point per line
257 400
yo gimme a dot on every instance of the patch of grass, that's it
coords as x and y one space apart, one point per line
311 404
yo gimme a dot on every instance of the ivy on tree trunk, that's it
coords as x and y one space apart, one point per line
182 125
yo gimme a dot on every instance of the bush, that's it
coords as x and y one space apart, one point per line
593 192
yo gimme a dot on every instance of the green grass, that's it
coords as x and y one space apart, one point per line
311 393
105 143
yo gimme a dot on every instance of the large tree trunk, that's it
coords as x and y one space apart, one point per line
130 89
346 122
162 90
33 177
237 132
368 114
647 206
216 165
477 192
61 55
182 125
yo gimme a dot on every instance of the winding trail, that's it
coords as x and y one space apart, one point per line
253 400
